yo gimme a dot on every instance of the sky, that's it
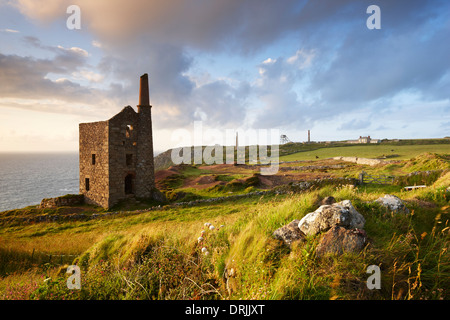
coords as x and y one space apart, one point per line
236 65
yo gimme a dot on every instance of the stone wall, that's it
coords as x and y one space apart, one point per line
367 161
67 200
145 171
123 139
94 143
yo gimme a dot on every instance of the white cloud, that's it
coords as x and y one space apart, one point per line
9 30
88 75
302 58
75 50
96 44
269 61
61 80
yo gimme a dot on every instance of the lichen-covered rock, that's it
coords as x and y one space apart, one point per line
323 219
289 233
338 240
356 219
326 216
392 203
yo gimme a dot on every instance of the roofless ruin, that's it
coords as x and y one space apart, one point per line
116 155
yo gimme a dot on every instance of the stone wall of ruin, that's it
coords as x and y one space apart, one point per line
67 200
145 171
94 141
123 137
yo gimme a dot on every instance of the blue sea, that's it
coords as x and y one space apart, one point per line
27 178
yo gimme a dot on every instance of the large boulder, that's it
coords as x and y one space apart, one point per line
338 240
323 219
341 214
392 203
289 233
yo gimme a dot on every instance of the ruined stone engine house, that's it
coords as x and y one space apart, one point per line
116 155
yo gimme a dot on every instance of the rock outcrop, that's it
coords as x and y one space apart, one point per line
338 240
326 216
289 233
393 203
340 222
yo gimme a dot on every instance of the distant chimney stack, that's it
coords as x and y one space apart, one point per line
144 97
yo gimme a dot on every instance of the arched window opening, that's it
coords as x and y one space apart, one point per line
129 131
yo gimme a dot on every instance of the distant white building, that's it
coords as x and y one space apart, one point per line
367 139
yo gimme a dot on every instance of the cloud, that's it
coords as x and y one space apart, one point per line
278 89
302 58
9 30
25 83
338 67
69 58
96 44
368 65
232 25
220 103
26 77
88 75
74 51
248 24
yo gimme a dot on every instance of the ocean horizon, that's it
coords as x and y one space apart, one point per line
27 178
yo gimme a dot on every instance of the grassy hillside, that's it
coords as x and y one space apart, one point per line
391 152
155 254
397 150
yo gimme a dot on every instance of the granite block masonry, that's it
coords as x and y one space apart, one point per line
116 155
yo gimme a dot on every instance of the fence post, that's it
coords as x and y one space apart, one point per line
361 178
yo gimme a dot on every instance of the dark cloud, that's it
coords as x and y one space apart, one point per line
25 77
355 68
165 64
368 70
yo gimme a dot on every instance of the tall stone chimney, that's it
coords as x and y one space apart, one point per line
145 173
144 96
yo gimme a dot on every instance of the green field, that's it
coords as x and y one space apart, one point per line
391 152
155 254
